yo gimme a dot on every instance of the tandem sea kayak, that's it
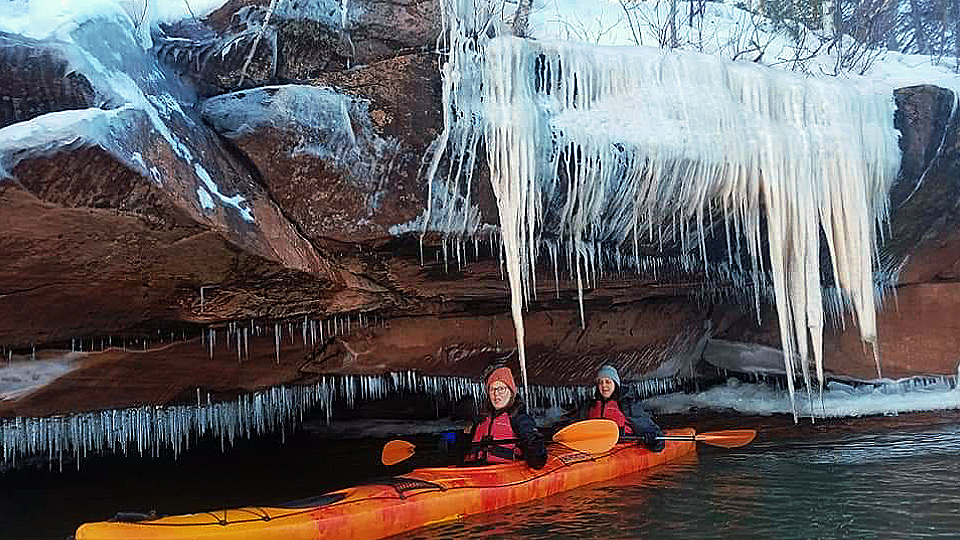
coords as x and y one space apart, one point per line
401 503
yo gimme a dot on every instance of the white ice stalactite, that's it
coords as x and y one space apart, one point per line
211 340
448 192
277 329
629 146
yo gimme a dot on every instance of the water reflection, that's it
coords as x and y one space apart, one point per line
830 485
848 479
613 509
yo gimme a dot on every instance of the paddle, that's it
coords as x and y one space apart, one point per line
396 451
597 437
731 438
587 436
592 437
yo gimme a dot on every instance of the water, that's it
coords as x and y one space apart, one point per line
862 478
841 483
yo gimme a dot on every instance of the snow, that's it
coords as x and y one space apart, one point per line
323 124
898 70
169 11
839 400
237 201
20 376
56 131
744 357
112 55
42 19
724 32
205 200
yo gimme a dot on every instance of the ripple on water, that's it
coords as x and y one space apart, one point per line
836 485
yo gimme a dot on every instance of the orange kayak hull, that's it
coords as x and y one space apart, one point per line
419 498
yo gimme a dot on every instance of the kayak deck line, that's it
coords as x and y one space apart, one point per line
386 507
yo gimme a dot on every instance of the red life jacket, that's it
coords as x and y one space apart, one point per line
494 428
611 411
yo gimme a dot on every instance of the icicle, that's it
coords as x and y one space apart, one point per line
303 331
276 340
819 155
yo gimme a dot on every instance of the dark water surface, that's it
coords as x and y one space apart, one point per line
872 478
833 481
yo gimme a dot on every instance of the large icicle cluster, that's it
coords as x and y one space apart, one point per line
605 148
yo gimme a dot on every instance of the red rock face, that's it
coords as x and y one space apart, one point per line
345 167
29 65
301 42
925 218
94 244
104 228
918 333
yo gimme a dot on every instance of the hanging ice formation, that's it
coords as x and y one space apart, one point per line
612 148
153 430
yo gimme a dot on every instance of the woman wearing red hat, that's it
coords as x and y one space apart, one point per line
624 409
505 433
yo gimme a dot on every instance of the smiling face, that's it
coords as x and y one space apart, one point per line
499 394
606 386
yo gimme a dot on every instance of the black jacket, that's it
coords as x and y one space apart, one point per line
641 423
531 443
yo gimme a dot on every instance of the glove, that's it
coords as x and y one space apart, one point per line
652 441
447 440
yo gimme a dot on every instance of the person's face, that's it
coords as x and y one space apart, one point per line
499 394
606 386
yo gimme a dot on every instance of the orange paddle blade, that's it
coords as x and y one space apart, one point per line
589 436
731 438
396 451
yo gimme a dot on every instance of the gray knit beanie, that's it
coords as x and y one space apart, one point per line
609 372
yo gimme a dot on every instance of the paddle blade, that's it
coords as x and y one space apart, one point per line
732 438
589 436
396 451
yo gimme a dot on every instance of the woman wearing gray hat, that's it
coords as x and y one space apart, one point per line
623 408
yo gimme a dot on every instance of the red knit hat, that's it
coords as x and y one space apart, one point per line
503 374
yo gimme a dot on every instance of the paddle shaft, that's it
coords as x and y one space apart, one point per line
731 438
725 439
490 442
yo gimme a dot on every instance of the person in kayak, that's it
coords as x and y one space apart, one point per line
611 402
505 432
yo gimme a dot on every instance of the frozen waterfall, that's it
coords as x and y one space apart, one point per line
614 148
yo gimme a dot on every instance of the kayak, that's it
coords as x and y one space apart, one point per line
401 503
